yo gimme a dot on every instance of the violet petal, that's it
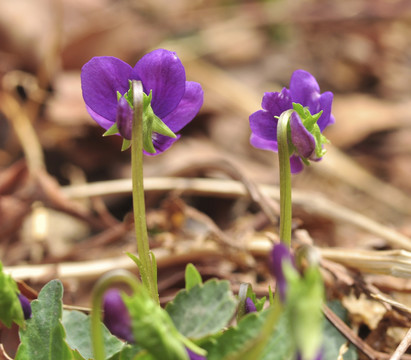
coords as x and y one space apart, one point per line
25 304
263 144
116 316
187 109
161 143
162 72
319 355
296 164
305 90
194 356
301 138
325 104
277 102
101 78
264 125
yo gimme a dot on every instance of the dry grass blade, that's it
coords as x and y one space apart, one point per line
311 202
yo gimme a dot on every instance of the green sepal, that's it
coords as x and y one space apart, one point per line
141 269
152 123
125 145
192 277
270 296
310 123
113 130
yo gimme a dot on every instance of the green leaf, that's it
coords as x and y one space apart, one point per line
192 276
10 307
130 352
153 327
203 310
280 345
238 342
333 340
77 326
44 336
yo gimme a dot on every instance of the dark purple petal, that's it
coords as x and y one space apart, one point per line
25 304
124 118
263 144
101 78
319 356
279 255
116 316
162 72
277 102
194 356
305 90
249 306
187 109
161 143
326 118
301 138
264 125
296 164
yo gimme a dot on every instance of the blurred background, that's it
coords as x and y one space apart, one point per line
237 50
358 49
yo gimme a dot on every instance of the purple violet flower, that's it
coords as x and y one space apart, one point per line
194 356
105 83
116 316
249 306
25 304
280 255
319 356
306 138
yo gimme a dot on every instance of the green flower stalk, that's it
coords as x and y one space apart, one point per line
291 123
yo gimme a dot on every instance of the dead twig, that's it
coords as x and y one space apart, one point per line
353 338
311 202
402 347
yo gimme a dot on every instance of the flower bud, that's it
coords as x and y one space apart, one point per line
280 255
124 118
249 306
116 316
25 304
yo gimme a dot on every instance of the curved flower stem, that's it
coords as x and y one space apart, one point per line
146 265
285 177
99 289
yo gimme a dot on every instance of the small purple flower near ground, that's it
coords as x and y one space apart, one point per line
194 356
249 306
319 356
305 137
174 101
280 255
25 304
117 319
116 316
